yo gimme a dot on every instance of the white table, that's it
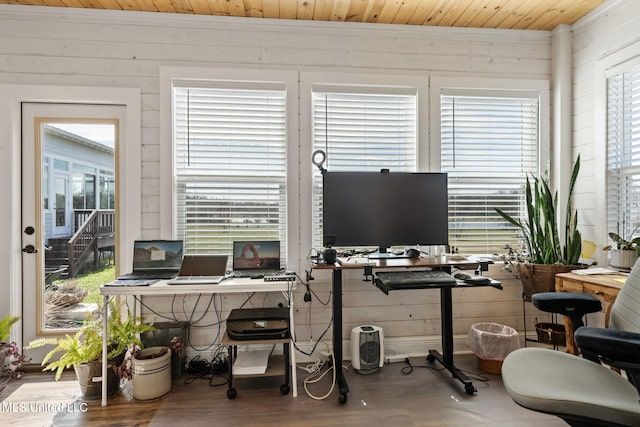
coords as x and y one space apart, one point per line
227 286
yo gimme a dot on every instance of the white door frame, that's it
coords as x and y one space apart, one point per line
129 171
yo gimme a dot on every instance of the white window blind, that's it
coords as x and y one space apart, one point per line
230 164
623 153
489 146
362 130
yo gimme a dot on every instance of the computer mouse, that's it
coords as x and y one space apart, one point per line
412 253
462 276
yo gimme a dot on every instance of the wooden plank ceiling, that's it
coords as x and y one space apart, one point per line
513 14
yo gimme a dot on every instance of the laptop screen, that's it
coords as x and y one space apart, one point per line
157 255
256 255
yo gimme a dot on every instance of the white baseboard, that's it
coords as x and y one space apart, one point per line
396 349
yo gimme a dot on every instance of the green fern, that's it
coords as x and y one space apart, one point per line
85 346
5 326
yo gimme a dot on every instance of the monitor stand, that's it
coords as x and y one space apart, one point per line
383 254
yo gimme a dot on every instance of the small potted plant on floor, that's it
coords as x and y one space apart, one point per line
83 350
5 328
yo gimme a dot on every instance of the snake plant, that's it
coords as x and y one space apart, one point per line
540 228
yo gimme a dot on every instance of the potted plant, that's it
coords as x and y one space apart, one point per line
625 252
83 350
546 254
5 328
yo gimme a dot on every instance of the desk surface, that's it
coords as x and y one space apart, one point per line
232 285
613 280
439 261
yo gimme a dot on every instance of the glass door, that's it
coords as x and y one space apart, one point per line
69 212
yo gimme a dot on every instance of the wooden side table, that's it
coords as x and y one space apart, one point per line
605 287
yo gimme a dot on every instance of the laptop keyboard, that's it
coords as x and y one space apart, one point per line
254 273
192 278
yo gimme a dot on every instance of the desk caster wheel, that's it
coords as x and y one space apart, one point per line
232 393
431 358
470 389
342 398
284 389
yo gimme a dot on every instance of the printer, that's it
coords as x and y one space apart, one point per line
258 323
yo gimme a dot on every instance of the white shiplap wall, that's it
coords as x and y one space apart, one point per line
606 37
56 46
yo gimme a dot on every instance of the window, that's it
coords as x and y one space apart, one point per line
45 183
623 152
107 190
84 187
230 163
362 129
489 145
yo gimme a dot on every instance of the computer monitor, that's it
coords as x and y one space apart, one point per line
384 209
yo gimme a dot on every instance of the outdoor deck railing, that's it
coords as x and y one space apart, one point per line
91 226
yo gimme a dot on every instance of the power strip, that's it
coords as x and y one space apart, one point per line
280 278
395 358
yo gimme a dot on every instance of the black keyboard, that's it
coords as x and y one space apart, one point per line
415 279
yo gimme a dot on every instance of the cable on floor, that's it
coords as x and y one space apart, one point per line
406 370
317 376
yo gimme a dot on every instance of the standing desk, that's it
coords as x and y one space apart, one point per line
446 309
227 286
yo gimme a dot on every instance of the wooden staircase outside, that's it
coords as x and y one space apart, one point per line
95 232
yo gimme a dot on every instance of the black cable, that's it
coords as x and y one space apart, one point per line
406 370
295 345
152 310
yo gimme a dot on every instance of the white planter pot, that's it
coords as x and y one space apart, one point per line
151 375
624 259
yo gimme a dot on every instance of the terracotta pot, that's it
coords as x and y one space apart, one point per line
537 278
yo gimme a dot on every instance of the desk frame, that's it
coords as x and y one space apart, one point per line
228 286
446 312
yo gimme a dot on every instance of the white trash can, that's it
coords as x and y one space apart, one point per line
491 343
151 373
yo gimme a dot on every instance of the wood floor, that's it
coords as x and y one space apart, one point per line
424 397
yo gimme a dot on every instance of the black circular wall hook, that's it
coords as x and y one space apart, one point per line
318 158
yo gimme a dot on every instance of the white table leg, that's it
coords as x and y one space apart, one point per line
105 339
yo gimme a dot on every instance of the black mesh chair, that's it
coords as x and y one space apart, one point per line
584 390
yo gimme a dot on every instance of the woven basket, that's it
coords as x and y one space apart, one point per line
537 278
489 366
551 333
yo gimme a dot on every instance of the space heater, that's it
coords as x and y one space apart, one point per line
367 349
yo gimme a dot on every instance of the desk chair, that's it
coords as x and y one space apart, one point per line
580 390
573 305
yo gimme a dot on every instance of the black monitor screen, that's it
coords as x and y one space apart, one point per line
385 209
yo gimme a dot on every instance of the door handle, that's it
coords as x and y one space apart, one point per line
29 249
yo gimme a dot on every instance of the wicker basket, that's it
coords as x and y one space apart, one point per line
551 333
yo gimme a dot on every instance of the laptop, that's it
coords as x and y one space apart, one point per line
256 258
155 259
201 270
